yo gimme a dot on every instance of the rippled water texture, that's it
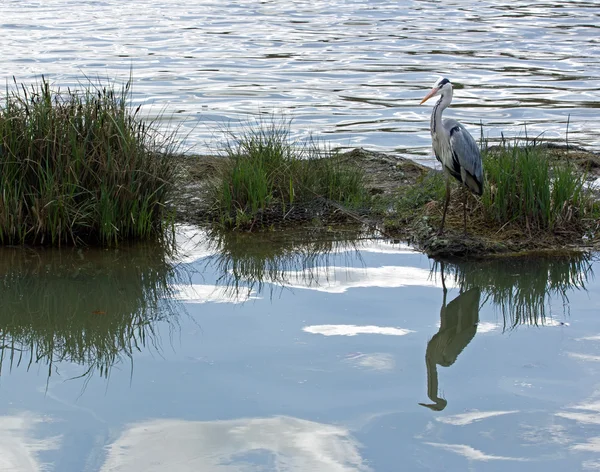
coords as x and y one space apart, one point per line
317 353
349 71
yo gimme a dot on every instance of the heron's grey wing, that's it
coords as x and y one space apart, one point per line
466 153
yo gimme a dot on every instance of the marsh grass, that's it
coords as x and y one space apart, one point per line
526 187
270 179
527 190
80 166
412 198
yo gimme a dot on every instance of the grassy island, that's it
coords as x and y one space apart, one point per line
83 167
537 197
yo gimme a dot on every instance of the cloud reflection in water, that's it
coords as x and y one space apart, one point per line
353 330
289 444
340 279
19 448
473 454
197 293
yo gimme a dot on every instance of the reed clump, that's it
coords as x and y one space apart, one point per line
529 193
80 167
269 179
528 188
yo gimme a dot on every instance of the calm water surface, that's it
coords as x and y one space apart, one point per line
350 71
317 355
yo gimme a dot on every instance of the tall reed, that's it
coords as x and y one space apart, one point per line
525 186
80 166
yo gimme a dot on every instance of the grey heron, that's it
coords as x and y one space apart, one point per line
454 147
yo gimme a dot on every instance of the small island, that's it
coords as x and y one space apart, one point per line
84 168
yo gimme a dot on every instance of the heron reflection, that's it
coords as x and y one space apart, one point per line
458 325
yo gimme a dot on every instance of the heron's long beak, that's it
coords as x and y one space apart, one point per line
429 95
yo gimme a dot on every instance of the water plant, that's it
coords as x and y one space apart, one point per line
271 179
80 166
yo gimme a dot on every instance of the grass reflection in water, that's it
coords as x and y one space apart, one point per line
520 289
90 307
248 262
96 308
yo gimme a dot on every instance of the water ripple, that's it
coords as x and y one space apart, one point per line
351 71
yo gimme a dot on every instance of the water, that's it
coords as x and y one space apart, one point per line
304 353
349 71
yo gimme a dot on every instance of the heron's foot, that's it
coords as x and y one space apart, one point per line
438 406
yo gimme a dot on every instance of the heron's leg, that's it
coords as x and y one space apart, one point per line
465 209
441 231
445 290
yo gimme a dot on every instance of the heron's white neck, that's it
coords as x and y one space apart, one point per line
438 108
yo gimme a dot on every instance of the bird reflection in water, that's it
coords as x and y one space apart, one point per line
458 325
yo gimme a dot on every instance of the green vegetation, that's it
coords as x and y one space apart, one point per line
430 187
269 179
535 196
528 190
80 167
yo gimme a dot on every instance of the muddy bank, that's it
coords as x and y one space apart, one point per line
386 176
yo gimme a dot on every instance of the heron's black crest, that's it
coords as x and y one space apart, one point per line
443 82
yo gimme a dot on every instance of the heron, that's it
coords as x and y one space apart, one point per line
454 147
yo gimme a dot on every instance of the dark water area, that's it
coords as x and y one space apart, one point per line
314 351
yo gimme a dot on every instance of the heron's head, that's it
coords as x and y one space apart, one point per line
442 85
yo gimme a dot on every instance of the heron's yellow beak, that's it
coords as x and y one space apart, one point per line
429 95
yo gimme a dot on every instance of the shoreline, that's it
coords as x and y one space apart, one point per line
385 175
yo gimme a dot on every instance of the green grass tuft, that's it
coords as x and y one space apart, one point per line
412 198
528 188
271 179
80 167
